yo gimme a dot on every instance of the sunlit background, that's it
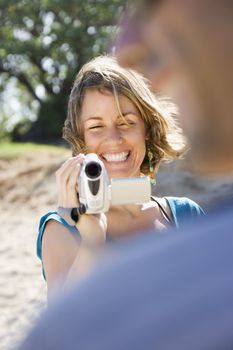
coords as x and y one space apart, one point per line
43 44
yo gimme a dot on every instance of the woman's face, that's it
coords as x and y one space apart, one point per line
120 145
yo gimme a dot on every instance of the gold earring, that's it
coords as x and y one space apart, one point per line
151 168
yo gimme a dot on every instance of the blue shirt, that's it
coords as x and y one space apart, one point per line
181 208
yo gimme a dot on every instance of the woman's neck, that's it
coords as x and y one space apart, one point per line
124 220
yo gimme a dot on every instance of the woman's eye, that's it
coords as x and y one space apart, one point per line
128 123
95 127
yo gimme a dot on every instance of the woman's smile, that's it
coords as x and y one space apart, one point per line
115 157
117 162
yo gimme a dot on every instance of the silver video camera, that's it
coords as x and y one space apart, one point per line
97 193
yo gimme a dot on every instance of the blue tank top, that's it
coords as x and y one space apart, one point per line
181 208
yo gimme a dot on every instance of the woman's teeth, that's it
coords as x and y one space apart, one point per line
117 157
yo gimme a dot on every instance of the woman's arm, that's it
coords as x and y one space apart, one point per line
64 254
59 250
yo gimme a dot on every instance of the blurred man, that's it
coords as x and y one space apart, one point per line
186 48
171 291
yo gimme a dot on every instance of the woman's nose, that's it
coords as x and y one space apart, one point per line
114 135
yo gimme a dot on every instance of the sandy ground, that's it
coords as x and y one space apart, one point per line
27 190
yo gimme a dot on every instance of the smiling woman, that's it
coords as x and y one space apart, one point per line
113 113
130 95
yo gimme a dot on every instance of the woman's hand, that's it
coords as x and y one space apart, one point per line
66 178
92 227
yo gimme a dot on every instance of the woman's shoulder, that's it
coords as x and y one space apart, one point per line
184 204
178 209
182 207
51 215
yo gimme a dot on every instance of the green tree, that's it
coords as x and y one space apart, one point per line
44 43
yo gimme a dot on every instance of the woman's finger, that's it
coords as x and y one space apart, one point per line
69 163
66 178
71 187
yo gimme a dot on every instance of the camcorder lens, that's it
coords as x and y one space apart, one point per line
93 170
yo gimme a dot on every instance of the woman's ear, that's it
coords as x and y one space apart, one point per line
147 132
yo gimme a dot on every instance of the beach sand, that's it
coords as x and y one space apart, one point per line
27 191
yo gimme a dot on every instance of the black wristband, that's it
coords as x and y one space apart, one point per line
70 215
74 215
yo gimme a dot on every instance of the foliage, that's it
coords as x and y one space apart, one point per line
44 43
4 134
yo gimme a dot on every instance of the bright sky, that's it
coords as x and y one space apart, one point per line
16 106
